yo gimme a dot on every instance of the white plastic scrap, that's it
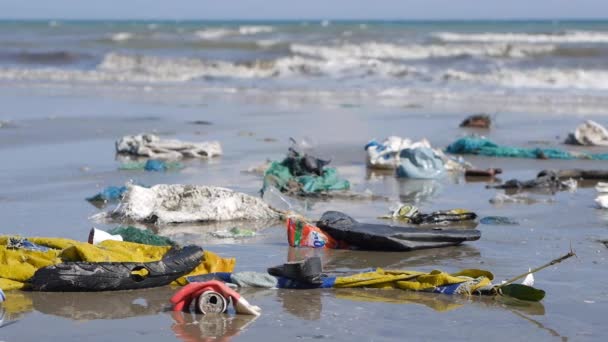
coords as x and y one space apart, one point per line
589 133
386 155
177 203
602 198
152 146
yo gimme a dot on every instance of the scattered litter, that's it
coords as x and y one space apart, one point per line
477 121
152 165
385 155
143 236
547 181
109 194
382 237
518 198
499 221
2 298
69 265
302 234
605 242
484 147
482 173
589 133
578 174
234 233
601 187
177 203
211 297
152 146
96 236
258 169
201 122
529 279
303 175
411 214
420 163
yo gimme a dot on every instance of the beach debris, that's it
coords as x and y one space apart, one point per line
96 236
589 133
602 198
498 221
302 234
411 214
177 203
258 169
605 242
381 237
108 194
477 121
152 165
385 155
212 297
69 265
234 233
547 181
143 236
578 174
152 146
2 299
482 173
303 175
484 147
419 163
518 198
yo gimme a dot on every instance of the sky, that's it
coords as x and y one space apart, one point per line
306 9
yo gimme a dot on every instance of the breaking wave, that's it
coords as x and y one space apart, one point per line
217 33
121 36
564 37
410 52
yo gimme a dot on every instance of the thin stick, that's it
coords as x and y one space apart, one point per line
551 263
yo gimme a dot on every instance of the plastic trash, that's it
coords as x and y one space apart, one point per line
484 147
421 163
152 165
411 214
518 198
577 174
302 234
176 203
589 133
2 296
108 276
384 155
547 181
482 173
498 221
143 236
109 194
303 175
477 121
381 237
309 271
96 236
152 146
211 296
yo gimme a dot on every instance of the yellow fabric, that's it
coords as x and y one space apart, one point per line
18 265
414 280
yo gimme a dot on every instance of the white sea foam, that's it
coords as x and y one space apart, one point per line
565 37
121 36
248 30
414 51
213 33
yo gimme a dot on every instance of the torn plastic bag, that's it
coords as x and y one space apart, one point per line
302 234
390 238
109 194
303 175
112 276
384 155
152 146
589 133
420 163
176 203
143 236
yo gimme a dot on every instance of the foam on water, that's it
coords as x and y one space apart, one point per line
564 37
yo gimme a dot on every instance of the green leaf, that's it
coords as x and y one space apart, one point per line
522 292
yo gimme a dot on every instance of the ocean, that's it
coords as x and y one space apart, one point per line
563 61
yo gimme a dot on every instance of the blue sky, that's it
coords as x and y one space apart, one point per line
303 9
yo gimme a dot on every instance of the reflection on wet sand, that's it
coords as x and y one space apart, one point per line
212 327
416 191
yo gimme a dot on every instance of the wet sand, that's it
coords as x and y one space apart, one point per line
60 150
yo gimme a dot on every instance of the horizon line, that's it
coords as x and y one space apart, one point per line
310 19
